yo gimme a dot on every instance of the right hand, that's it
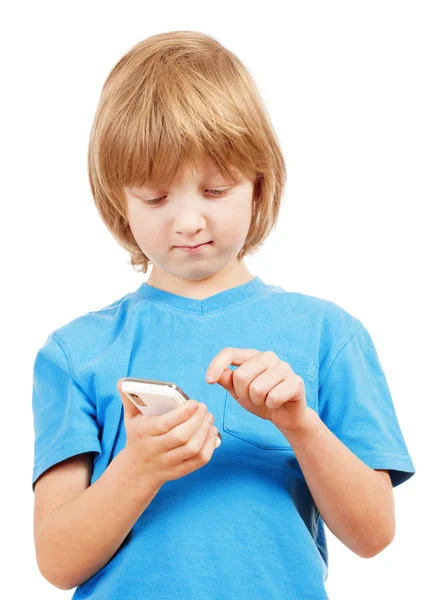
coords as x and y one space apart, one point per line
170 445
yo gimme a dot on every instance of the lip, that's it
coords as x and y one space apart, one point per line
194 248
196 245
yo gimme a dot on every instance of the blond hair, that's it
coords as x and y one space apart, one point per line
174 99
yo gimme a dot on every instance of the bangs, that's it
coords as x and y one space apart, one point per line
177 117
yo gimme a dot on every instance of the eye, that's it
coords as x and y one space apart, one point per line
156 201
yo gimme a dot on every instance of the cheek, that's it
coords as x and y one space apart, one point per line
236 222
145 234
145 225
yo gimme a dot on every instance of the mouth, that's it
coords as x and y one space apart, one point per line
194 250
196 246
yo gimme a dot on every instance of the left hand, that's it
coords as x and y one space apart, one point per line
263 384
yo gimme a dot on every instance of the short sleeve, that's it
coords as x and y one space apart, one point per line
64 416
355 403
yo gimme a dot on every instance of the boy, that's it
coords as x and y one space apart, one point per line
182 153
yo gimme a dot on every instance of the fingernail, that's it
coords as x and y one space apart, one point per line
209 378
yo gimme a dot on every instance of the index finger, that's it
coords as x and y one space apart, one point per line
176 416
228 356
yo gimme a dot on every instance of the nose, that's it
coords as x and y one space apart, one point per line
188 223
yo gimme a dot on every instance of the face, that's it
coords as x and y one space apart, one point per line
200 206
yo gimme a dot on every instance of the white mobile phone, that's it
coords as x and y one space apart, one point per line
153 397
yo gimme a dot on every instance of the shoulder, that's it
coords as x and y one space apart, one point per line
88 336
327 317
96 320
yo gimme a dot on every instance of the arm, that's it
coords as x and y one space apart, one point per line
78 537
353 499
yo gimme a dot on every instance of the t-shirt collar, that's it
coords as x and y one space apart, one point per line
240 293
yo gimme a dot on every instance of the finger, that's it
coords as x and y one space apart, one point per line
182 426
192 436
257 368
206 451
287 392
226 357
177 416
129 409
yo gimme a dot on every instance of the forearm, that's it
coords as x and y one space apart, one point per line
353 500
79 537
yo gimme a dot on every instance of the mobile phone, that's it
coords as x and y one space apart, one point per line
153 397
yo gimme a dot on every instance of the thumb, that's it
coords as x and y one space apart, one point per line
130 411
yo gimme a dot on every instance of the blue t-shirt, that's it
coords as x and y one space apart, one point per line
245 524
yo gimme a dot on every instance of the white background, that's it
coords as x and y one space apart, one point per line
342 82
